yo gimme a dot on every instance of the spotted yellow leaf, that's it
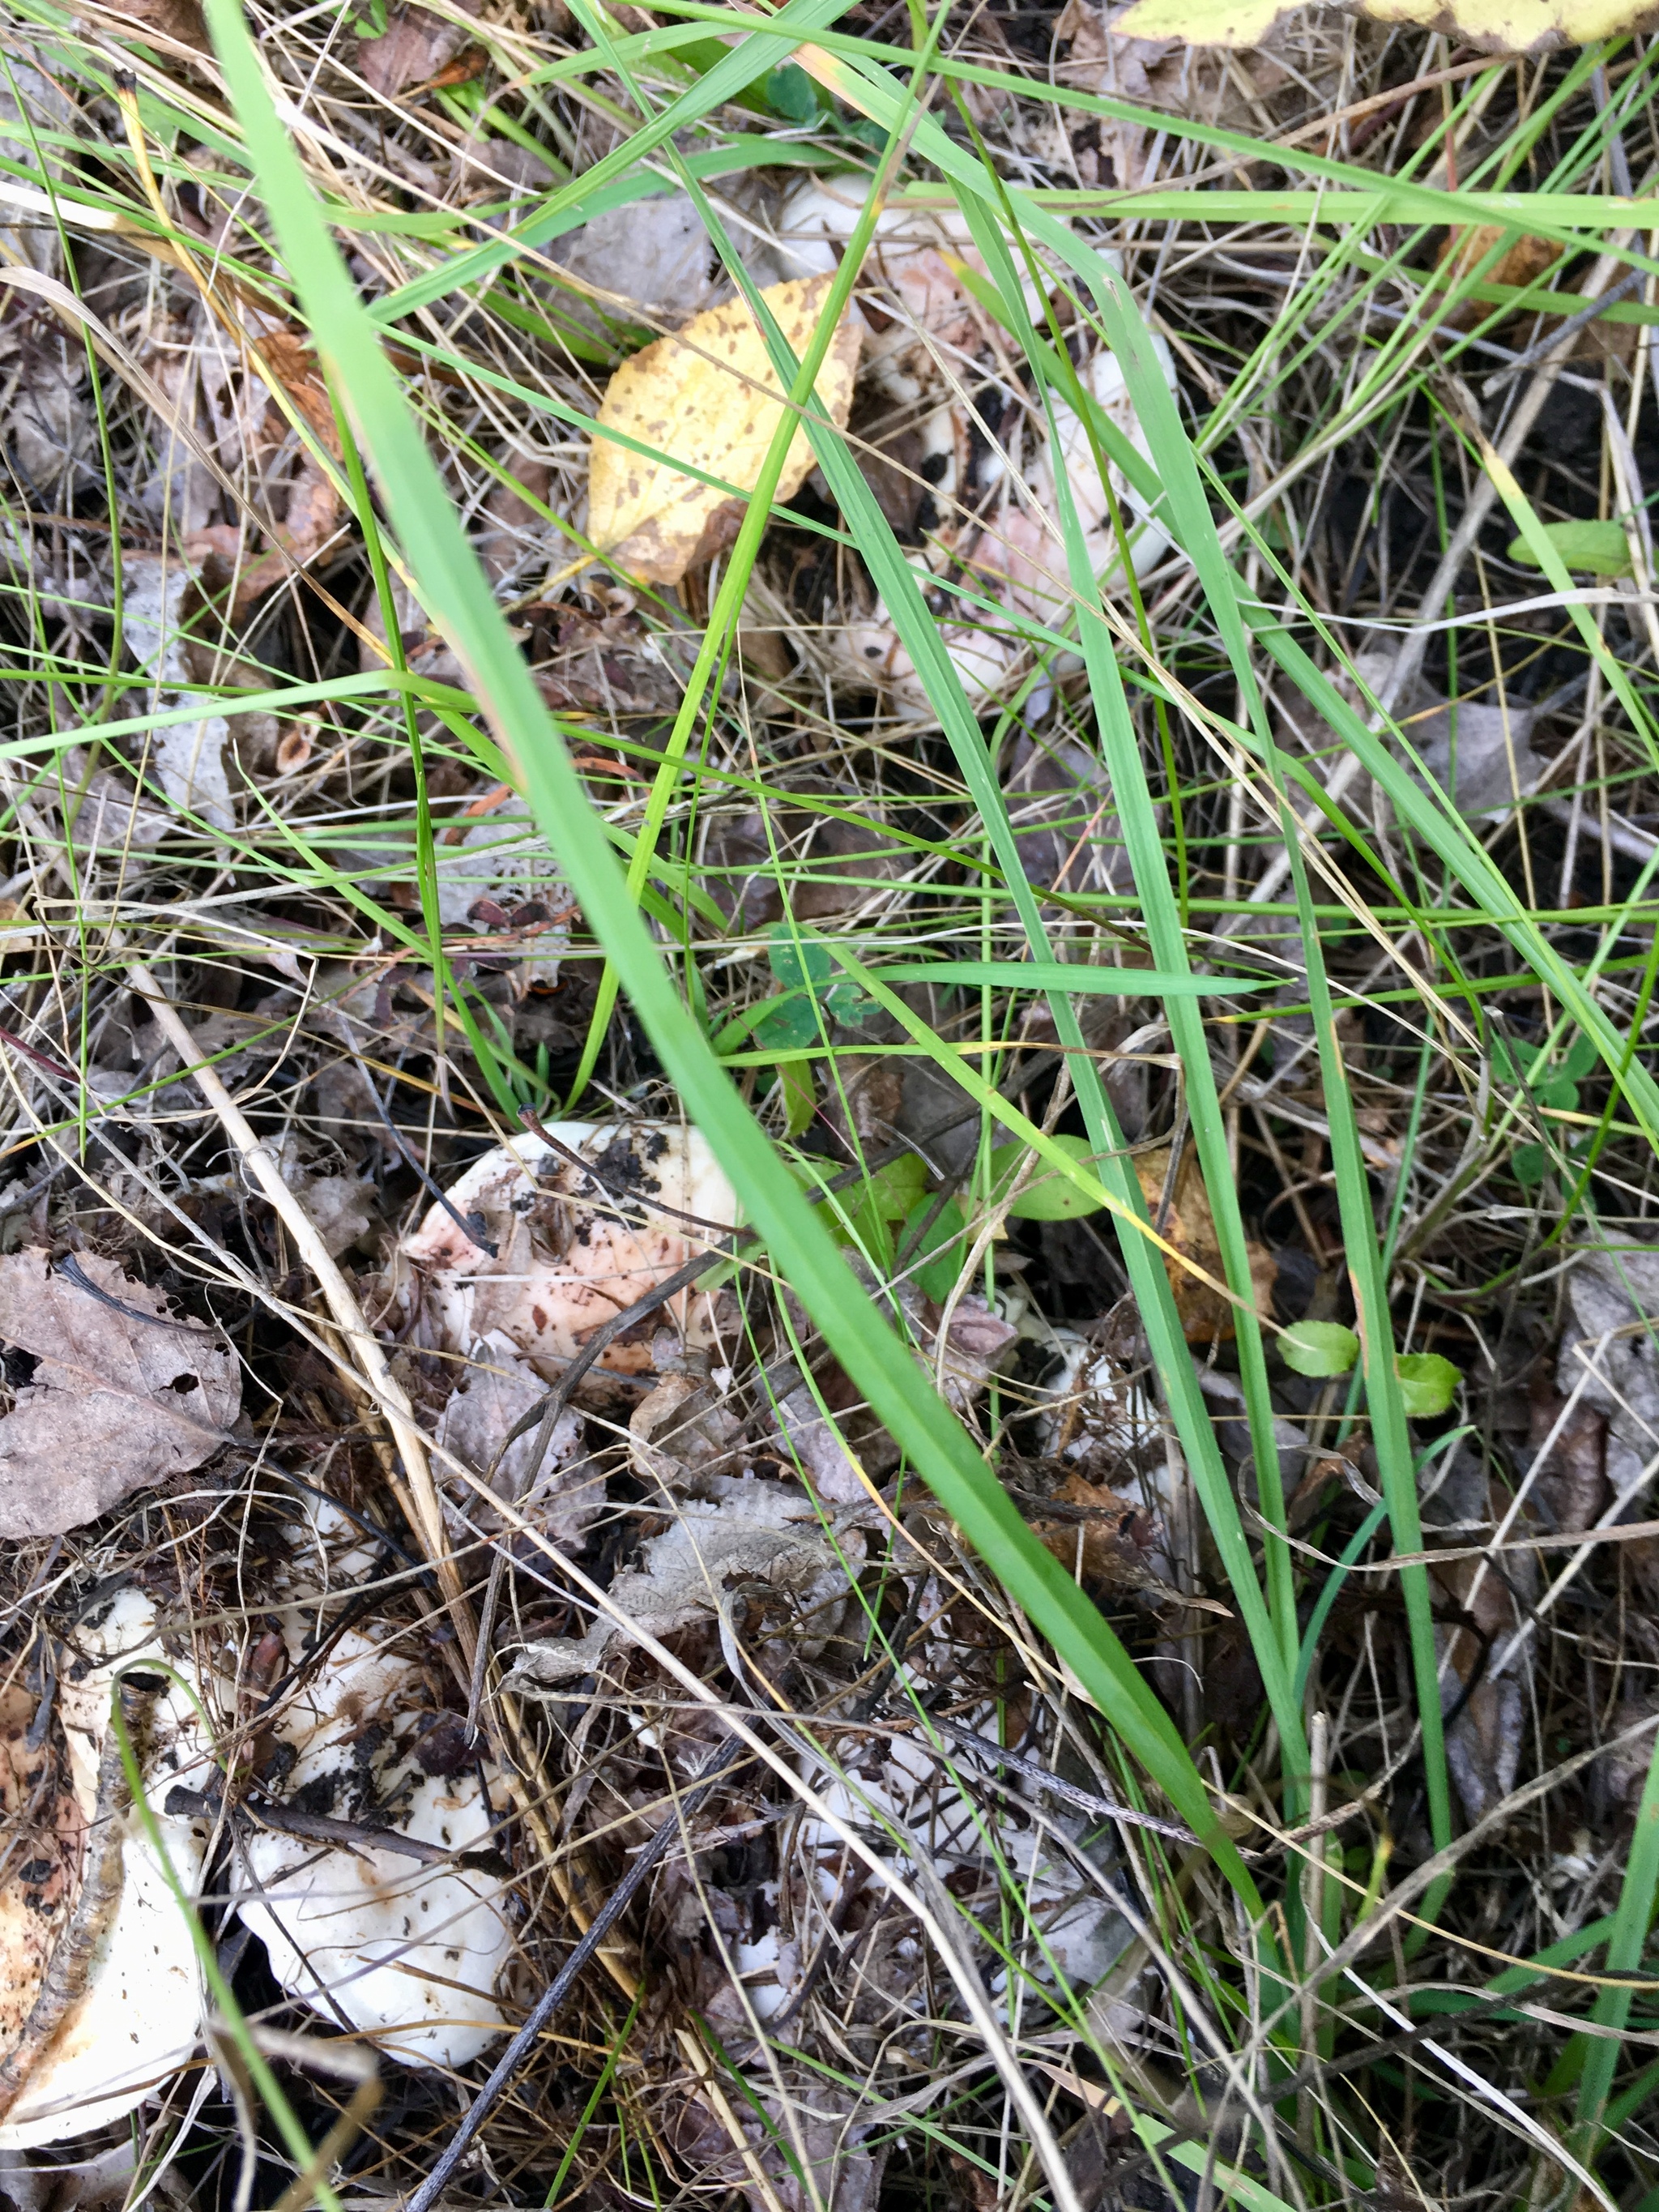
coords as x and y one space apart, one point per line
708 396
1495 27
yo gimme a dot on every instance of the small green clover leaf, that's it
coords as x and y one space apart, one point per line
1428 1383
1048 1196
937 1261
1318 1348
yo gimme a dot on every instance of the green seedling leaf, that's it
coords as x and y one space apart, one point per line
1318 1348
1599 547
844 1003
894 1191
891 1194
1529 1165
800 1097
791 93
1581 1059
1048 1198
936 1262
802 968
1428 1383
790 1022
796 961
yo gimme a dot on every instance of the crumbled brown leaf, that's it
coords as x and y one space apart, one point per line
1190 1227
118 1401
748 1536
341 1208
415 47
498 1391
1482 1604
710 397
1522 261
286 358
1100 1537
176 22
680 1434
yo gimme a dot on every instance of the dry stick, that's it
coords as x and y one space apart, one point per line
1409 655
1042 1777
360 1339
714 1770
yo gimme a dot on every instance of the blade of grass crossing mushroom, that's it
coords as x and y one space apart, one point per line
458 595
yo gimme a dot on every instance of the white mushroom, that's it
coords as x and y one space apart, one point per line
408 1951
572 1249
117 2007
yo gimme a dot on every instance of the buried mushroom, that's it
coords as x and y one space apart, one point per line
396 1932
391 1922
582 1227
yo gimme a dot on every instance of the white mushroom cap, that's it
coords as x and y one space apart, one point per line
139 2019
409 1954
406 1953
568 1258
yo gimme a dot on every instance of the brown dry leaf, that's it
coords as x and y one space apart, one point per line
1481 1604
708 395
1522 263
415 47
118 1400
175 23
1494 27
1190 1228
313 514
1097 1535
1107 1541
286 358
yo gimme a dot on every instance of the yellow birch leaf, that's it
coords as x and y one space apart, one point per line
1495 27
708 395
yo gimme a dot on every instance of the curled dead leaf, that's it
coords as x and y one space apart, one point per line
1095 1534
708 397
1522 262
